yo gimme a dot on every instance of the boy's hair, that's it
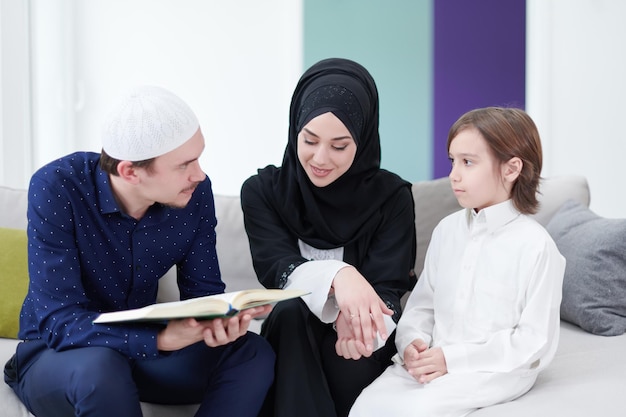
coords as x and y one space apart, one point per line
509 133
109 164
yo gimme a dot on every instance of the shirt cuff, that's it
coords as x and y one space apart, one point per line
142 344
456 358
316 277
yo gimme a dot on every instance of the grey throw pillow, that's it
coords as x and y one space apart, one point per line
594 286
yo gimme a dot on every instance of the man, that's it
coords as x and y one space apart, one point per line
102 230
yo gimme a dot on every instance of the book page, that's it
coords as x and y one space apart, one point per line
202 308
256 297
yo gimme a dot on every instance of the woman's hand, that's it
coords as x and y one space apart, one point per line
362 309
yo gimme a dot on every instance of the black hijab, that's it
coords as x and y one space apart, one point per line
340 213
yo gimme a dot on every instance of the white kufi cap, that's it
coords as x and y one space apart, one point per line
149 122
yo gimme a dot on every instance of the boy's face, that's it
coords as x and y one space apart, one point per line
475 176
175 175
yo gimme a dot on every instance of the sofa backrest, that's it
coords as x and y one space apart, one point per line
13 208
233 249
434 200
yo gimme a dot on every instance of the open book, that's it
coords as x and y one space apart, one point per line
208 307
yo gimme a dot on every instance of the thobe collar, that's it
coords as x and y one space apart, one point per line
494 217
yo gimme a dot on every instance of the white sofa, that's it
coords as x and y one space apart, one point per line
587 376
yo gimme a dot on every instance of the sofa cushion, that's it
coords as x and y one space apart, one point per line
594 286
13 279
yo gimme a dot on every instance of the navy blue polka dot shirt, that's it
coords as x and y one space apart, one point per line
86 257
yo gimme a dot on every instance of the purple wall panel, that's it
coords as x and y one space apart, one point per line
480 58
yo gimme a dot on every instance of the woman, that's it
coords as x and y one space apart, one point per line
330 221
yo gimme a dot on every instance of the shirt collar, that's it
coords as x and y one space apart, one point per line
106 200
494 216
108 204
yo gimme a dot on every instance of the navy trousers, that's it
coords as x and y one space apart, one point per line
230 380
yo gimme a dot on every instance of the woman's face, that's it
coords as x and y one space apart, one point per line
326 149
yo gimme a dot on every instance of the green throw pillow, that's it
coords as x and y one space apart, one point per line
13 279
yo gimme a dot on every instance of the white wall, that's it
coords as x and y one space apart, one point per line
576 80
235 62
15 146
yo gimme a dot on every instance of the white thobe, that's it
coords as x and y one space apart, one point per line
489 296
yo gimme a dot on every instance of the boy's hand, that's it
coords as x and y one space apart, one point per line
423 363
